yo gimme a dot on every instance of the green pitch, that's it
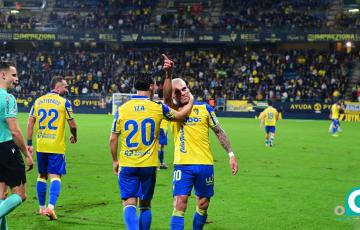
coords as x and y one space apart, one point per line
294 185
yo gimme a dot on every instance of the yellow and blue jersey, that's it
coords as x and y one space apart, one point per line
270 115
138 123
191 138
335 111
50 112
164 125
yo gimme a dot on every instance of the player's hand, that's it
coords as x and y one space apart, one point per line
233 165
30 150
168 65
191 100
29 162
116 167
73 139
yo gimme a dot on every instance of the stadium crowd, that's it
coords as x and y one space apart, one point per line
241 15
266 14
228 73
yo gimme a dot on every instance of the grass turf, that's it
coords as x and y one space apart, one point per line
294 185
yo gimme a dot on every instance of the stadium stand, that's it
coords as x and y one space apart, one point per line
211 73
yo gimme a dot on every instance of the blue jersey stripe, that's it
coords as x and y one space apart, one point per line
210 110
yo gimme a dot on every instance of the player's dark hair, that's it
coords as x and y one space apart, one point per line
270 103
55 80
143 82
4 65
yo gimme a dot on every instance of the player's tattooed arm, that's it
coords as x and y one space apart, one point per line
222 137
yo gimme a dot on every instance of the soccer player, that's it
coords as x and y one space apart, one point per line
193 159
48 115
334 116
138 123
162 142
269 116
12 169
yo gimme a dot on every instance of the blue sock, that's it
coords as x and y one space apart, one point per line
199 219
334 129
41 187
266 141
177 220
9 204
161 156
130 217
3 224
145 218
55 187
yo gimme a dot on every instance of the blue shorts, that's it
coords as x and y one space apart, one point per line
336 122
163 137
51 163
137 182
269 129
201 177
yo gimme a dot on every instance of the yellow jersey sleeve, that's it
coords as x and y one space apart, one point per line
212 120
69 112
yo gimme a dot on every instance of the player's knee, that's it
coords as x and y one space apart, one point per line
130 201
23 196
203 203
43 176
145 204
21 191
180 204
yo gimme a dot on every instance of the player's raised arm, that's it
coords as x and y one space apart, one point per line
167 88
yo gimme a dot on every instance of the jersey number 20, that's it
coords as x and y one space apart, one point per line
133 126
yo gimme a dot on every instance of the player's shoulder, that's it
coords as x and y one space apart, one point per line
201 104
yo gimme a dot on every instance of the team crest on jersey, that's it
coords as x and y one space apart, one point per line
196 111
